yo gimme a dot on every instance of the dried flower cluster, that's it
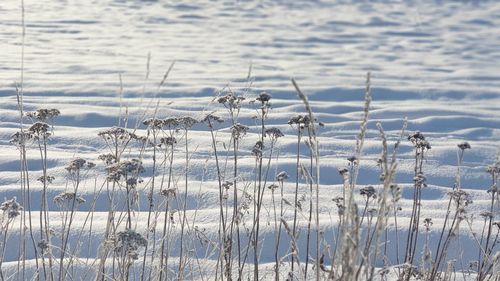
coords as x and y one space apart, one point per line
419 141
11 208
128 242
43 114
68 197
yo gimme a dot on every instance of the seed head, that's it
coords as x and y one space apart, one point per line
368 191
168 192
419 141
153 123
20 138
282 176
168 141
129 242
46 179
43 114
186 122
11 208
238 130
274 133
464 145
68 197
39 130
264 97
212 119
171 122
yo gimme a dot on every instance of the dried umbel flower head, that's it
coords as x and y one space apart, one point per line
353 160
264 97
43 114
140 139
19 139
428 223
282 176
115 134
132 182
124 168
420 180
301 121
396 192
129 242
11 208
295 120
39 130
168 141
461 198
343 172
273 187
107 158
368 191
230 100
239 130
211 120
339 202
46 179
153 123
274 133
77 164
419 141
68 197
258 149
186 122
464 146
170 123
486 215
226 185
168 192
43 245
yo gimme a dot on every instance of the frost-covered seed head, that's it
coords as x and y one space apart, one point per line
258 149
419 141
129 242
76 164
238 130
168 141
368 191
170 122
343 171
107 158
153 123
212 119
20 138
43 114
46 179
272 187
11 207
39 129
169 192
124 168
187 122
282 176
464 145
274 133
264 97
67 197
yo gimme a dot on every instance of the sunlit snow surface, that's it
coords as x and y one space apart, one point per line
436 63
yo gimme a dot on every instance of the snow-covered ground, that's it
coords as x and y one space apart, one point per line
434 62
